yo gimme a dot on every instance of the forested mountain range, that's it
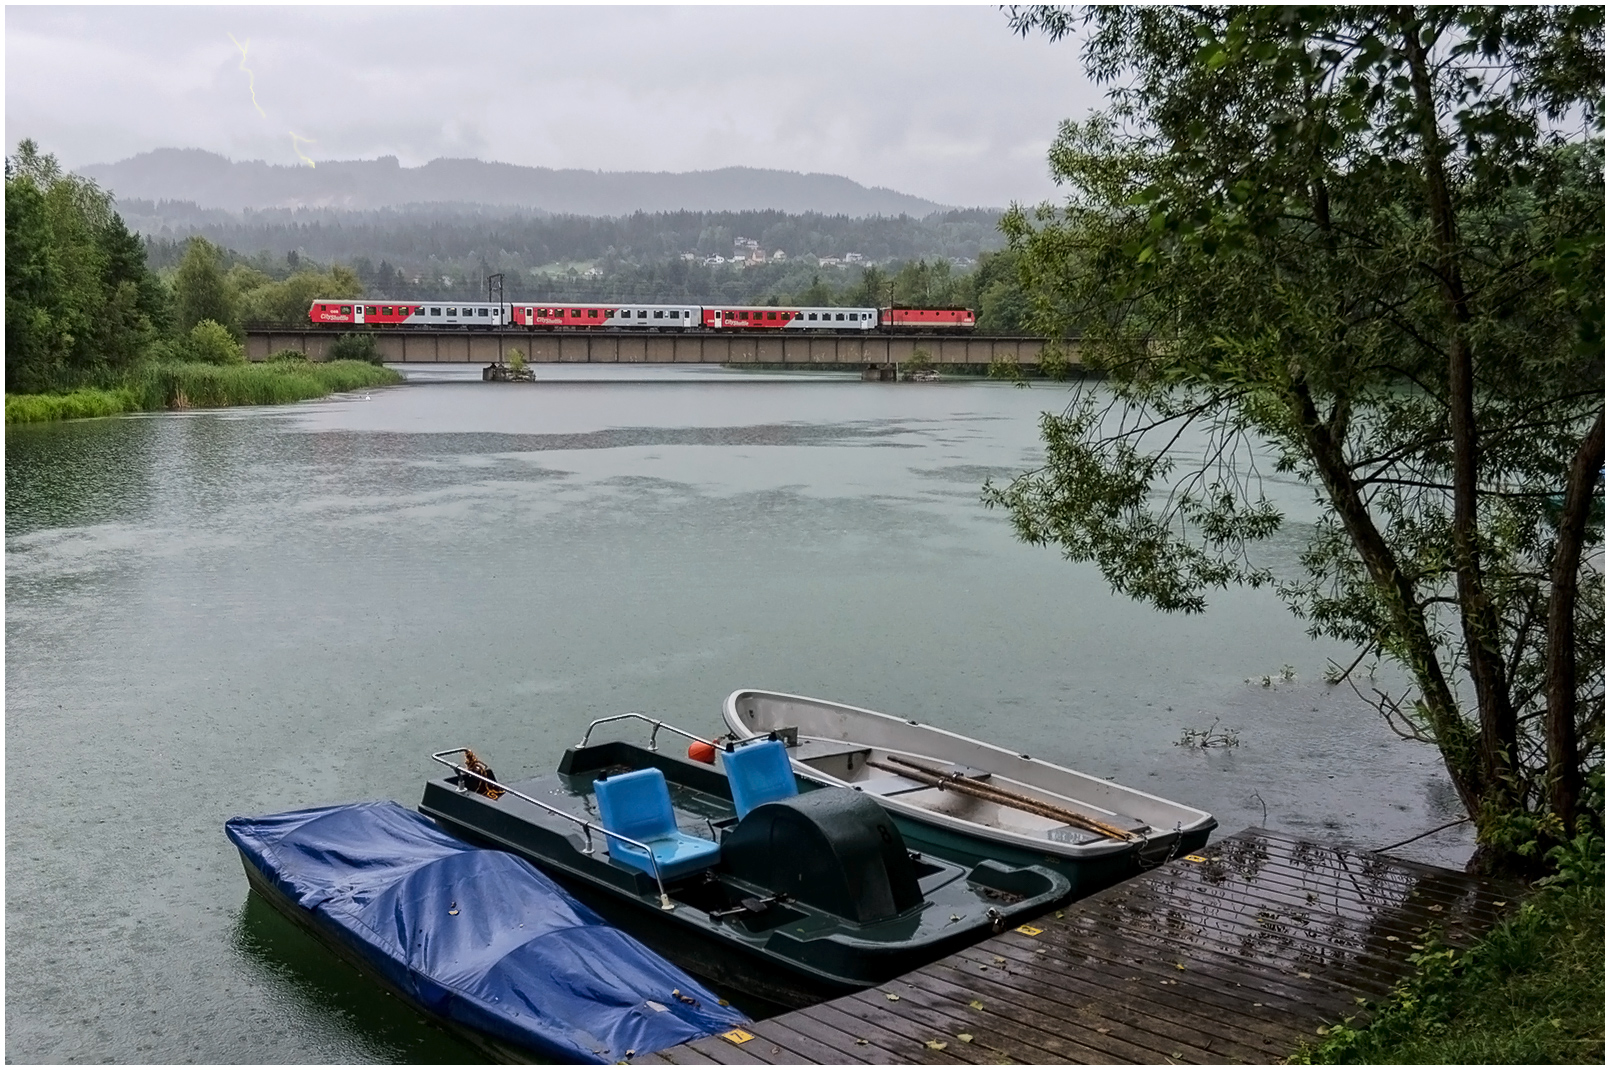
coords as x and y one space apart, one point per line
450 250
513 241
213 181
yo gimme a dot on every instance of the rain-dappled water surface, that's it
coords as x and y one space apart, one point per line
237 612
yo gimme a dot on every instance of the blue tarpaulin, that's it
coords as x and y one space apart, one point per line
479 937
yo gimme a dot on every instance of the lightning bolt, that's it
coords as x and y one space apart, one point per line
251 79
295 137
251 87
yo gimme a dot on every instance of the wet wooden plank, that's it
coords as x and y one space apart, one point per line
918 1025
1280 930
724 1052
1103 1032
941 1021
683 1055
1231 1025
1132 948
1352 892
863 1022
801 1048
850 1044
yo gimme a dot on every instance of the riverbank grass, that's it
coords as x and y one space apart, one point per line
157 387
1532 991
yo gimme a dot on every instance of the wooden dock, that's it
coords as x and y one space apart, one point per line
1235 955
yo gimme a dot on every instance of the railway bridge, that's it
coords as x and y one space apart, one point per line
847 349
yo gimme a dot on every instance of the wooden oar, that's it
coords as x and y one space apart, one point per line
942 780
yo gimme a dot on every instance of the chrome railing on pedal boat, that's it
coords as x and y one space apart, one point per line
588 828
653 742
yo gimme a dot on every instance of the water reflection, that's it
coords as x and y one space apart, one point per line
381 1028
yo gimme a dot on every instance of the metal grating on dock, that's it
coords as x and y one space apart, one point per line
1235 955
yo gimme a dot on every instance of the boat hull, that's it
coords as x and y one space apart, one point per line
478 942
831 738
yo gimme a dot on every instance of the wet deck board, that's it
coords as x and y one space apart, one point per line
1236 958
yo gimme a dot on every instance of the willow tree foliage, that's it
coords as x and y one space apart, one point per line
1366 246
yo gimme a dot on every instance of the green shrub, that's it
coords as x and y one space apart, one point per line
213 343
77 405
1531 991
516 359
355 347
192 385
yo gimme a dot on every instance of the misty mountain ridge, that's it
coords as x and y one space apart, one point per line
211 181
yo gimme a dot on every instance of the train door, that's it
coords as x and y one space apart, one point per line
357 313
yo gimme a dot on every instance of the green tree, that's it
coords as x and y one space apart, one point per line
200 290
213 343
79 300
1369 242
286 303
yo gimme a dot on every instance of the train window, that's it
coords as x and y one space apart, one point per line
452 312
811 316
386 310
346 310
642 314
841 315
435 312
485 312
659 313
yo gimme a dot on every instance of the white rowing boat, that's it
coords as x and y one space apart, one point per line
962 795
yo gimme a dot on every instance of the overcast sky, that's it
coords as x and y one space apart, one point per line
942 102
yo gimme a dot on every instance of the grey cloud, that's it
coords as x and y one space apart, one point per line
937 102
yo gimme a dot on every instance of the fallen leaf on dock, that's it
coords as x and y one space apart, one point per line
890 996
1102 1029
977 1005
936 1045
965 1038
1305 976
858 1041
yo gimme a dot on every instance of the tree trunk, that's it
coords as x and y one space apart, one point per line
1476 614
1565 784
1454 743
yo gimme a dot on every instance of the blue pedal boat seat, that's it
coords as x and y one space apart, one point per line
638 804
759 773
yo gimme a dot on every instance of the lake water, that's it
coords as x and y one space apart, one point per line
252 610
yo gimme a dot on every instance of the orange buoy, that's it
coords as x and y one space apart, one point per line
700 751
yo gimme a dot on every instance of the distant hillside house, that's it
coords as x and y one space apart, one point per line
779 255
853 258
828 261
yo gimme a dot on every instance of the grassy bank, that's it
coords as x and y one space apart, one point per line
1531 992
191 386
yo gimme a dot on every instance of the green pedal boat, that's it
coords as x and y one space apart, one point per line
730 870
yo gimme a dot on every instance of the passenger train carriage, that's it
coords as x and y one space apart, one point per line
475 315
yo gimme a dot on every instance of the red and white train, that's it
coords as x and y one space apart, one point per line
482 315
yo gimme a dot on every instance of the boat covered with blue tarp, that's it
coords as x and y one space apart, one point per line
478 939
